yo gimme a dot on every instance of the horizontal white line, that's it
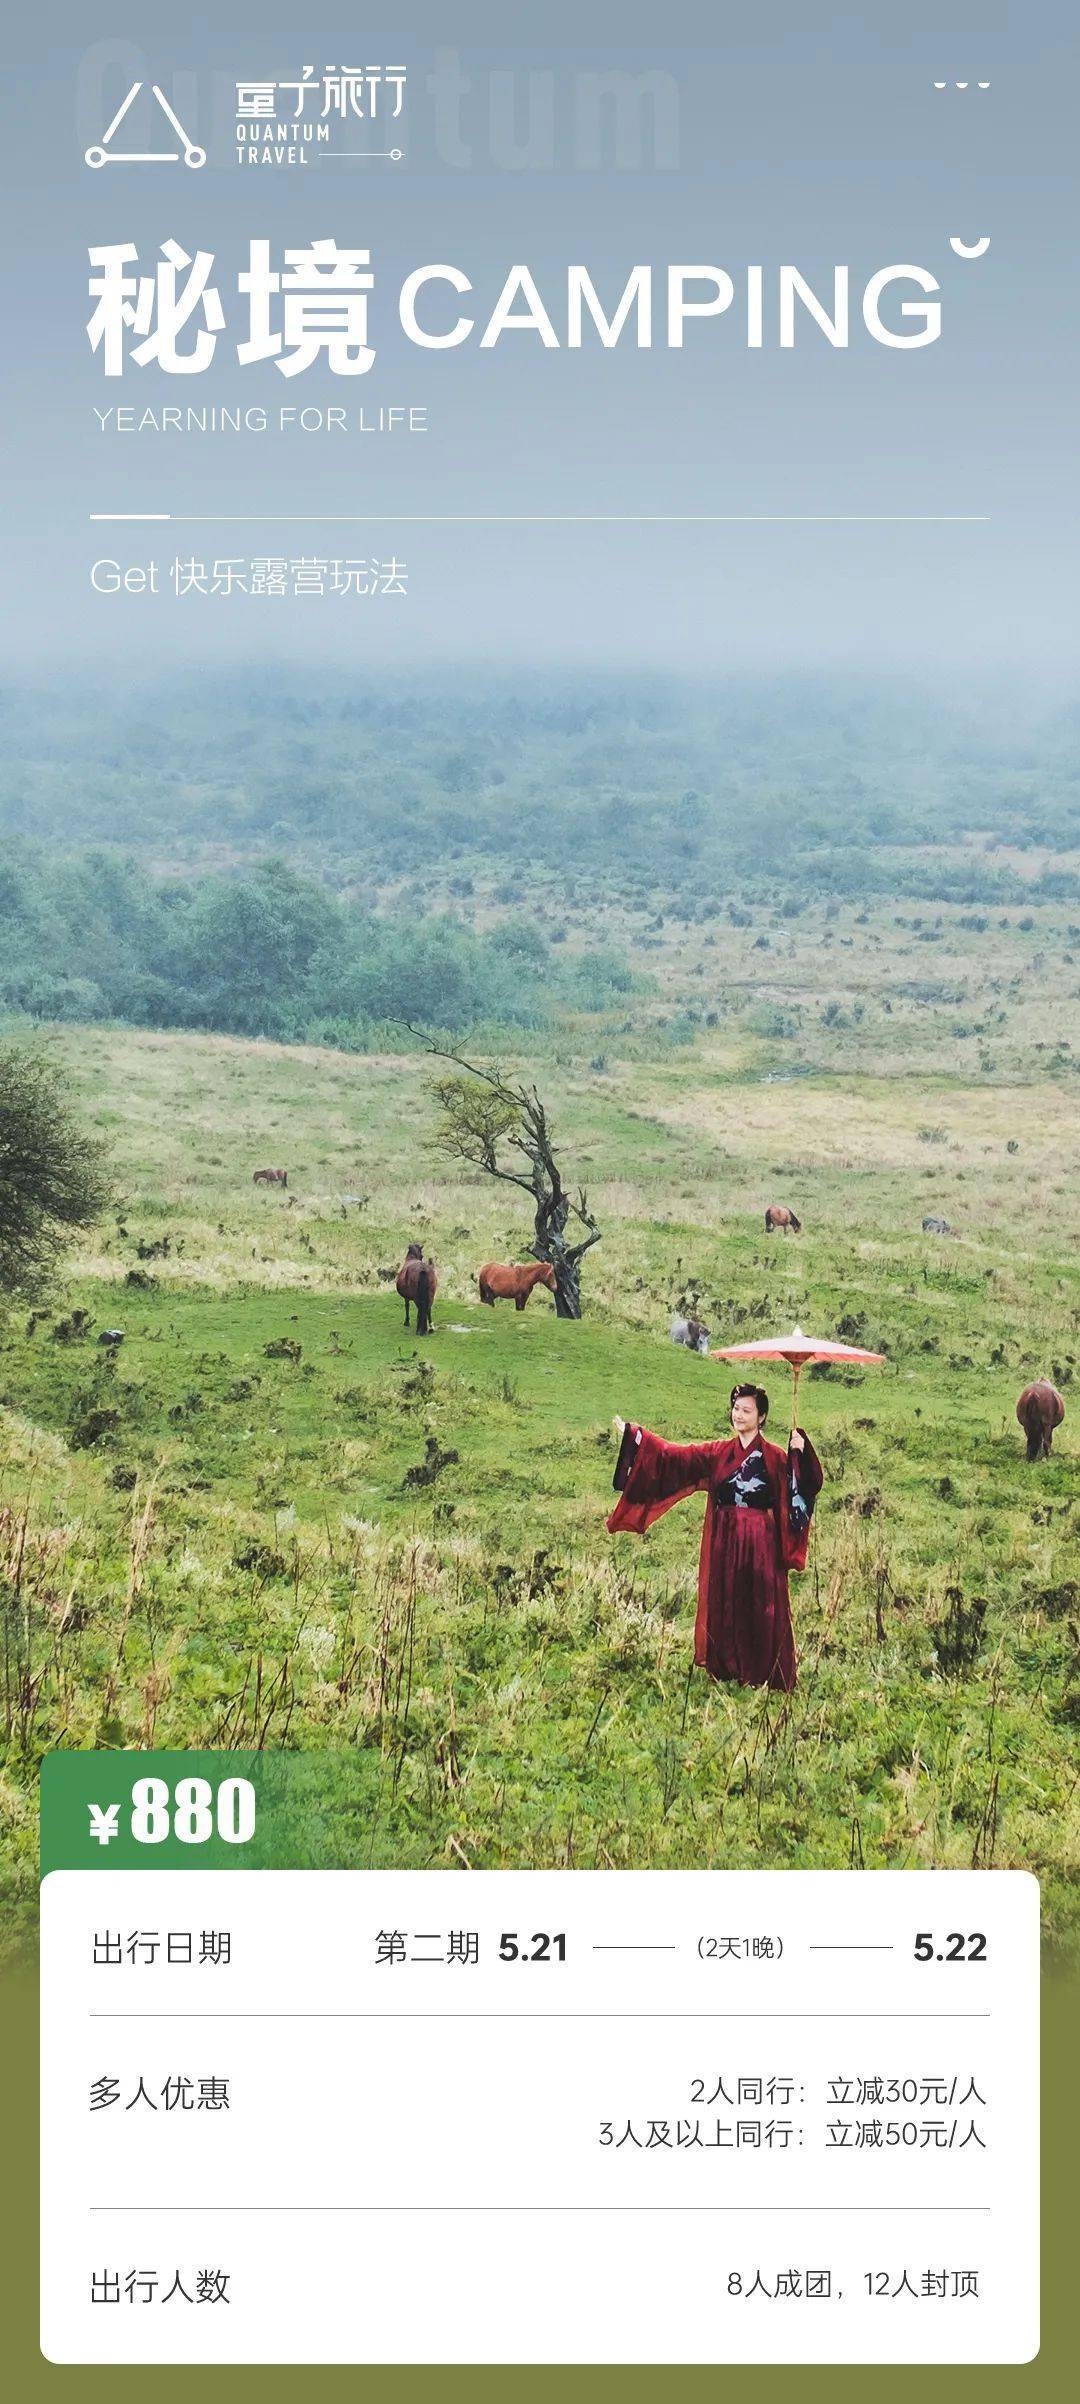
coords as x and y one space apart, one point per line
657 2015
455 2208
396 517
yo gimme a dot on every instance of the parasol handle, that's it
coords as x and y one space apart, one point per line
796 1373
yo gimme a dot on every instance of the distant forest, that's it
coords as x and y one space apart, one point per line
261 855
270 952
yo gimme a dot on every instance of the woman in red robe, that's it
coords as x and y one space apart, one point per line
757 1526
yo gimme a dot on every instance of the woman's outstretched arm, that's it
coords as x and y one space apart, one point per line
652 1474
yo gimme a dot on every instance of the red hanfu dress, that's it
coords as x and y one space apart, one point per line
757 1526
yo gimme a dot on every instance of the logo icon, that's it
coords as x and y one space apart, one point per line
104 1821
100 155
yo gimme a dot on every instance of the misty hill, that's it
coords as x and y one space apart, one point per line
632 857
651 781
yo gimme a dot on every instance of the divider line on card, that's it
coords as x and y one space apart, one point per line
658 2015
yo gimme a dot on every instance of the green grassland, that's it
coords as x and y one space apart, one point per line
273 1517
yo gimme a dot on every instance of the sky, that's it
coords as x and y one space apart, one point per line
797 134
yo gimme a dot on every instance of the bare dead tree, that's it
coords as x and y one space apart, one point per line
499 1126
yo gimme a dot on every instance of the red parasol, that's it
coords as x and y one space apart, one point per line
799 1350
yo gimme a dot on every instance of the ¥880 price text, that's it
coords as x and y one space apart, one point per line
192 1812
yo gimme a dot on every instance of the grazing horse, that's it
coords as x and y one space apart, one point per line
270 1177
778 1215
497 1280
1040 1410
933 1225
416 1282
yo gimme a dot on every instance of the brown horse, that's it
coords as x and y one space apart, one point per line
1040 1410
416 1282
498 1280
778 1215
271 1177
